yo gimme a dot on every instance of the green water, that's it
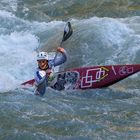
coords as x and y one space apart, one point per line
105 32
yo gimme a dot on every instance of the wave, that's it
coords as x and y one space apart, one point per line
95 41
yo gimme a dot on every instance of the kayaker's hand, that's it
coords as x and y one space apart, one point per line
59 49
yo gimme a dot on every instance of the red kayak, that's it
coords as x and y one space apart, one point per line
91 77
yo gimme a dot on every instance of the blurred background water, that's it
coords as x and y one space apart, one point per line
105 32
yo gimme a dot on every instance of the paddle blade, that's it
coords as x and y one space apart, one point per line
67 31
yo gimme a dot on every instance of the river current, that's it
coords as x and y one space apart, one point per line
105 32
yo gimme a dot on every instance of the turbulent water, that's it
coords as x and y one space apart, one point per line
104 33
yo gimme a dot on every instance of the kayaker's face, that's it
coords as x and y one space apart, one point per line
43 64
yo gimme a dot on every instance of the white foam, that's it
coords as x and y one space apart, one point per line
18 49
17 59
6 14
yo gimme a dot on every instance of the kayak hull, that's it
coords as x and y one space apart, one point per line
91 77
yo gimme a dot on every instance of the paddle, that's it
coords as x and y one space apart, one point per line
67 33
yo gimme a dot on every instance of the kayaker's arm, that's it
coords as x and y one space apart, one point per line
58 60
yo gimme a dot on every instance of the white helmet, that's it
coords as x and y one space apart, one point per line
42 56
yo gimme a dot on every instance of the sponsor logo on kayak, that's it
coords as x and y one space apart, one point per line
124 70
93 75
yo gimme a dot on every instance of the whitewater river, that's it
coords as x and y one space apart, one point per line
104 33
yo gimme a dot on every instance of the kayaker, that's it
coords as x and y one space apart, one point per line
45 68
